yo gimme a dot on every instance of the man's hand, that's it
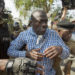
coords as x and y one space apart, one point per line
34 54
53 51
3 63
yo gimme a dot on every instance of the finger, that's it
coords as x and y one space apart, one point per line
49 51
36 57
37 53
41 72
38 49
33 56
51 57
49 48
50 54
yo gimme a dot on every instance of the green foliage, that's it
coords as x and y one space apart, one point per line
51 1
55 13
26 5
19 3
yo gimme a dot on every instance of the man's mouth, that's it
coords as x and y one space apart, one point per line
43 29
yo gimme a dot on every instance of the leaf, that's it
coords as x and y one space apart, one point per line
51 1
28 4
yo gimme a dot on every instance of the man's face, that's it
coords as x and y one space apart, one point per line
65 34
40 23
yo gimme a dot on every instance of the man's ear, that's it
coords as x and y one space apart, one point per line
59 31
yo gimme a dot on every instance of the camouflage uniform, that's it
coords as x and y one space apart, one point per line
65 24
71 58
21 66
4 33
56 65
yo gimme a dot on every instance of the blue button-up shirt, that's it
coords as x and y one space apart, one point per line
29 37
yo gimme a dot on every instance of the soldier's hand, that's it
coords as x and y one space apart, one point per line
3 63
52 51
34 54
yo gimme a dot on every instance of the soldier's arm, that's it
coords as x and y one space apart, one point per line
27 64
3 63
65 49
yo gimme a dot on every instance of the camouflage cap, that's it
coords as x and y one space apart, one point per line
65 24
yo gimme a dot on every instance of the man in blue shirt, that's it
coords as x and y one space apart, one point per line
43 50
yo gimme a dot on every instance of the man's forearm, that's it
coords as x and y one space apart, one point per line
16 53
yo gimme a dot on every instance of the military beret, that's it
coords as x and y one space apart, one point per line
65 24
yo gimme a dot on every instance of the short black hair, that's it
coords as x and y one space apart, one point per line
40 11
